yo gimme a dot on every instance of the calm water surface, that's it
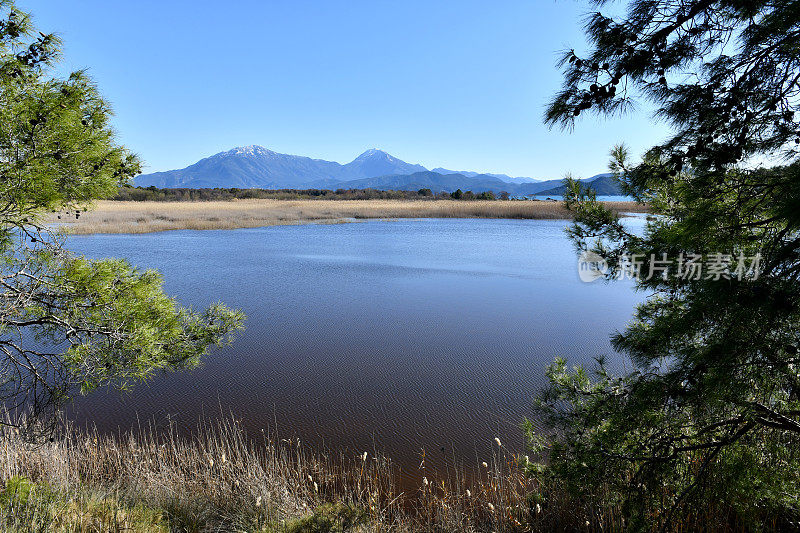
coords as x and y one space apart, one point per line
390 336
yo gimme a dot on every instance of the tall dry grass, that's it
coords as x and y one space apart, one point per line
146 217
222 480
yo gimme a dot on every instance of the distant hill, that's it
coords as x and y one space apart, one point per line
256 167
602 184
427 180
504 177
478 183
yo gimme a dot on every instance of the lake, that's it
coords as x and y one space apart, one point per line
390 336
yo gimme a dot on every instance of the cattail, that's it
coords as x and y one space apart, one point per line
485 464
310 478
469 494
497 440
316 487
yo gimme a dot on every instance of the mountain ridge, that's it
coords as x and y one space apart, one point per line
471 174
479 183
257 167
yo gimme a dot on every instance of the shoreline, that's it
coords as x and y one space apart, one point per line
110 216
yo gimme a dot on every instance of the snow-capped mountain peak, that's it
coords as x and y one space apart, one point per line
253 149
374 153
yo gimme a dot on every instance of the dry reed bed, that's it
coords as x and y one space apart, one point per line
222 481
146 217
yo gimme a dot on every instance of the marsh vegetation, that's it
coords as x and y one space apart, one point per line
149 216
223 479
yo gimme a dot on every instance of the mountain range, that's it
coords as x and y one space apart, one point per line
253 167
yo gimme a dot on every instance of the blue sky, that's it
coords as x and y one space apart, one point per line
459 84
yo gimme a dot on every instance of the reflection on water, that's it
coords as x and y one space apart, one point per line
390 336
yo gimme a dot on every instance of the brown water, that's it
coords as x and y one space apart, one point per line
383 336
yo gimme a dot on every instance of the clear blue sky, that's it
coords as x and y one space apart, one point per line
459 84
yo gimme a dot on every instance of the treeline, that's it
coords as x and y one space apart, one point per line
154 194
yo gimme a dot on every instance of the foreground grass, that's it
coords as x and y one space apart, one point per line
146 217
220 480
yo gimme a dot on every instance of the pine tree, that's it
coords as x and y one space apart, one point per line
710 416
68 324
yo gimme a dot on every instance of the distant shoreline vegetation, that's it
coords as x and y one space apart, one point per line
155 194
197 209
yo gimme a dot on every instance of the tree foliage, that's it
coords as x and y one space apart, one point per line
67 323
154 194
710 416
